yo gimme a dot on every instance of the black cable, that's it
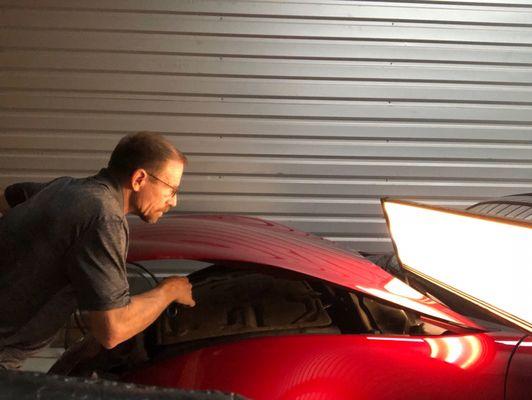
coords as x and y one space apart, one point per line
173 309
140 273
65 339
79 324
143 268
68 325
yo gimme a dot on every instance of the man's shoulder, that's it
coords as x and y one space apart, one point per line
95 198
83 200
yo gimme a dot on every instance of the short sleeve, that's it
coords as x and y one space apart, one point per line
20 192
96 266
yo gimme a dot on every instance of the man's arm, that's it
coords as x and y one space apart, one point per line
4 205
18 193
112 327
96 268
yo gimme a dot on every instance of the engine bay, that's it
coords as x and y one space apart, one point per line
235 301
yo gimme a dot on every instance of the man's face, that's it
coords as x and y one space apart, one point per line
154 191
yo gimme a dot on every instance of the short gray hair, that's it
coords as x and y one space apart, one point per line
147 150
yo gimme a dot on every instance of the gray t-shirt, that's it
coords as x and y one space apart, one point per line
62 244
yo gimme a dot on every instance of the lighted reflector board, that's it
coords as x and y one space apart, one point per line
484 259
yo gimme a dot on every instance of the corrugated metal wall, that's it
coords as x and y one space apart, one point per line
304 112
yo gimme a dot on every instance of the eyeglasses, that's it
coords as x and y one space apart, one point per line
174 189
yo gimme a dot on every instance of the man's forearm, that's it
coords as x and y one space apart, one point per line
115 326
112 327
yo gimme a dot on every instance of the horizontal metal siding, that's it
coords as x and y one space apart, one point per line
301 112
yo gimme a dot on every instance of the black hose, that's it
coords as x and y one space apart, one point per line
143 268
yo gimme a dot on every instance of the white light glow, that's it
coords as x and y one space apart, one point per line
475 350
488 260
402 289
389 339
455 349
404 301
507 342
463 351
435 348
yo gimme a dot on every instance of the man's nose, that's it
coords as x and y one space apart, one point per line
172 202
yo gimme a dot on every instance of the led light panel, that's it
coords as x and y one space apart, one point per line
483 259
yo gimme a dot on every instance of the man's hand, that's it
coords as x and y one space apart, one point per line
179 289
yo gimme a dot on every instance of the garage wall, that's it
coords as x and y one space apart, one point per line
303 112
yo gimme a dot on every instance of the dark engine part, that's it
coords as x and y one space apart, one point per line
242 302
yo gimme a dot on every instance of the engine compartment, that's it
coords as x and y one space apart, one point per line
243 300
246 302
238 301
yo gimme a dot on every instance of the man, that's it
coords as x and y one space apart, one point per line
64 243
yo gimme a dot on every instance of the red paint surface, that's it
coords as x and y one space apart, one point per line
336 367
323 367
253 240
519 385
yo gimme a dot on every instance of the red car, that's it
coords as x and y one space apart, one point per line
283 314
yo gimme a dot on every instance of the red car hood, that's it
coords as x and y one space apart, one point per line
245 239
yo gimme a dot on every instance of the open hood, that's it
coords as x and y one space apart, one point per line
484 259
251 240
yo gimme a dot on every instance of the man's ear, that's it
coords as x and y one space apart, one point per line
138 179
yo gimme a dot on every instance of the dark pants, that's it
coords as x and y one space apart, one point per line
13 355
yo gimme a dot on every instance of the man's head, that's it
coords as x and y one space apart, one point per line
149 168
